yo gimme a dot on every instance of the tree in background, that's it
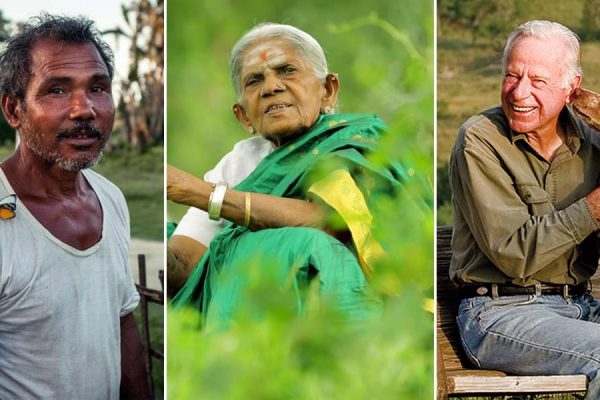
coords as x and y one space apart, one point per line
141 93
482 18
590 24
7 134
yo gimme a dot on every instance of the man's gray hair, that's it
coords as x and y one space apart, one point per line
302 41
15 59
549 30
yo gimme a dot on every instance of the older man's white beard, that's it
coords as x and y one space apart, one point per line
54 158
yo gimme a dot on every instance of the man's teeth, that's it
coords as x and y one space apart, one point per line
81 136
522 109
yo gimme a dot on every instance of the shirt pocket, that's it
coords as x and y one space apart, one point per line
536 198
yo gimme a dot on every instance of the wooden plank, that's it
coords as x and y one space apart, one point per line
449 345
517 384
475 373
442 382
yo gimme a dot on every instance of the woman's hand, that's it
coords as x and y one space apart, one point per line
184 188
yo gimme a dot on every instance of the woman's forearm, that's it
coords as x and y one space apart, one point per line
266 211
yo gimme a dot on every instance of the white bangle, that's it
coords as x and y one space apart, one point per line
215 201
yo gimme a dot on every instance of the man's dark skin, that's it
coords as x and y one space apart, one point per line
69 85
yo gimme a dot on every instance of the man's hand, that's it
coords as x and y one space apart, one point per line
593 200
134 379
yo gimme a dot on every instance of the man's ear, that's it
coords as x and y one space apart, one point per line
11 109
241 116
332 87
575 83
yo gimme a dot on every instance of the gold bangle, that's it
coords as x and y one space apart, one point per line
247 210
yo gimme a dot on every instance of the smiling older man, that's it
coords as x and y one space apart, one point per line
526 202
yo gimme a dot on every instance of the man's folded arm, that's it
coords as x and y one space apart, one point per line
518 243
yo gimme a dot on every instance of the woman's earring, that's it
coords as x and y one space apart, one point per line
251 130
328 110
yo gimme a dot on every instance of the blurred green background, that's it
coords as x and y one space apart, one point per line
383 52
471 37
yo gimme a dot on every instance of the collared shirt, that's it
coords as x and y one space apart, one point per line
517 217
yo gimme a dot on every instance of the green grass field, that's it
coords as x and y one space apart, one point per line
140 178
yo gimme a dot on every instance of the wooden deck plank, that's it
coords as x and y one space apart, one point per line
464 384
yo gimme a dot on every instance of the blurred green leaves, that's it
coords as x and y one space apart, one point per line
281 356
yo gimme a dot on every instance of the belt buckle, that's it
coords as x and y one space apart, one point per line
565 290
538 289
481 290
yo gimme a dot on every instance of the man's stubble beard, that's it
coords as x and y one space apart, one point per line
53 157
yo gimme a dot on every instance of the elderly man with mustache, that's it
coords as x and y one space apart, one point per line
66 292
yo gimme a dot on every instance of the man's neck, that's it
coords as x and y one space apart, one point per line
546 143
32 177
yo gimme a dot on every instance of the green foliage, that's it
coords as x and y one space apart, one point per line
7 134
491 21
282 356
482 18
591 20
383 52
6 151
5 31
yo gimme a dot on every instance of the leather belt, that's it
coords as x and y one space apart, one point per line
495 290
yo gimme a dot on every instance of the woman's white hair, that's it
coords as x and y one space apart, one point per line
549 30
302 41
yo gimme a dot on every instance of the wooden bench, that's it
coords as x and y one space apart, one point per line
456 376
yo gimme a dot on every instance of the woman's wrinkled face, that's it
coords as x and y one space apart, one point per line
281 95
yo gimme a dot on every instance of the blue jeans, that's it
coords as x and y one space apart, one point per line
531 335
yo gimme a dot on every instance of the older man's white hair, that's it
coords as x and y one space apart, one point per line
549 30
302 41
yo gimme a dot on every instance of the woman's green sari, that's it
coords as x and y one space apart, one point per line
327 162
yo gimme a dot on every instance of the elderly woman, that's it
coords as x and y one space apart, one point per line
292 201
